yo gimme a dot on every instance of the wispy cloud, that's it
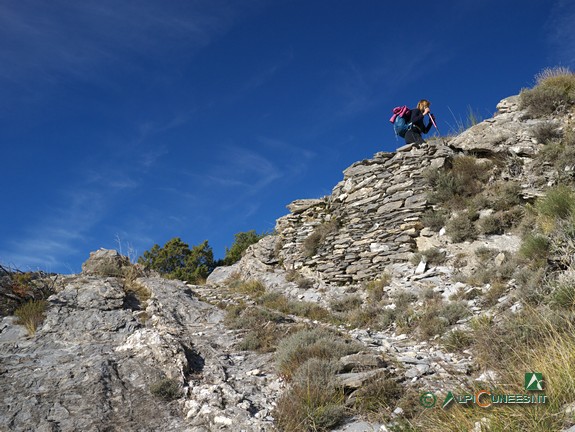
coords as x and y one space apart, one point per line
49 40
561 36
353 90
296 159
240 180
261 77
245 169
58 233
97 188
251 171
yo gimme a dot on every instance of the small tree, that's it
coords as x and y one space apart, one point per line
176 260
242 241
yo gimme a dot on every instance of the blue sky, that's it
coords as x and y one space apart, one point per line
144 120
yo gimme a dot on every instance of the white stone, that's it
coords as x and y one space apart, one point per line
487 376
421 268
499 259
223 420
516 307
378 247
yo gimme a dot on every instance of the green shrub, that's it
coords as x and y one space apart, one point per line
176 260
434 256
377 398
531 287
535 247
302 308
346 303
431 325
320 372
554 92
496 344
242 317
511 217
547 132
242 241
429 295
264 327
560 154
319 343
563 291
313 242
465 294
531 340
437 316
466 178
481 276
461 228
457 340
491 224
31 315
372 316
471 174
376 288
166 389
301 281
485 254
304 283
261 339
454 311
496 291
403 299
254 288
444 186
506 195
558 203
292 275
434 219
21 283
551 153
314 402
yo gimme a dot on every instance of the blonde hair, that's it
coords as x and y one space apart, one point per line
423 103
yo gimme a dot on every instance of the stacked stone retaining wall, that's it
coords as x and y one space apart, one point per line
370 220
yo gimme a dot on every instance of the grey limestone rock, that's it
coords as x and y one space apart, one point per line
95 360
105 262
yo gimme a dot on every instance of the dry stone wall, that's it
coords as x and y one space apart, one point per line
370 220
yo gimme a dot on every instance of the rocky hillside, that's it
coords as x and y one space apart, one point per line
412 277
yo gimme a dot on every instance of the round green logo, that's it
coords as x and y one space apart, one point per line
427 400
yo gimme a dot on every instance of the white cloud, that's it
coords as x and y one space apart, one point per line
58 232
51 40
246 169
296 159
561 36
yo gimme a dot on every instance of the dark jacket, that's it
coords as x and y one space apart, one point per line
417 121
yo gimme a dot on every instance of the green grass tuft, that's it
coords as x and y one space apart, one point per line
31 315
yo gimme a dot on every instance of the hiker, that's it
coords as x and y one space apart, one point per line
413 135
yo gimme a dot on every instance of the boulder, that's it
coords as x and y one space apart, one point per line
509 132
105 262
